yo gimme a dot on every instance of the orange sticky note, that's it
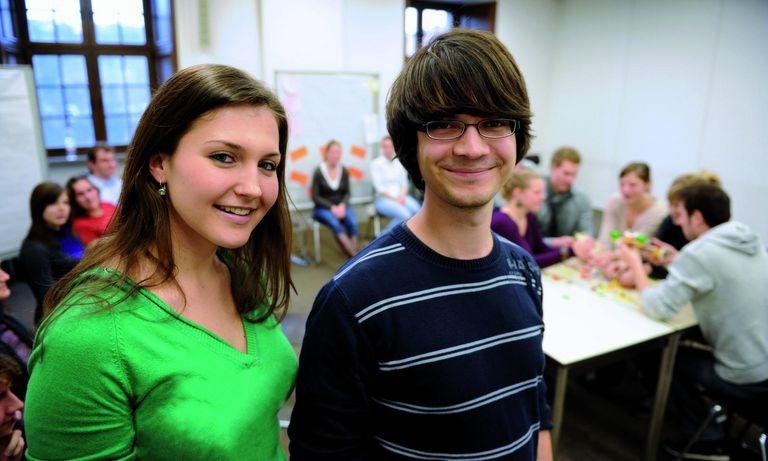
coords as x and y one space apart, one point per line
298 153
299 178
357 151
355 173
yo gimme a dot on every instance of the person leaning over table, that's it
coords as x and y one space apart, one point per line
723 273
516 221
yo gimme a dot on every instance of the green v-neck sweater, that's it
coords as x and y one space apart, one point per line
139 381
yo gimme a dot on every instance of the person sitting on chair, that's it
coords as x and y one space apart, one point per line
723 273
90 216
390 183
330 192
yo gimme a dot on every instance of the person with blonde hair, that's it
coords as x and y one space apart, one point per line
331 192
516 221
164 341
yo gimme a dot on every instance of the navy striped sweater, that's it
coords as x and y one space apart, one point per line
412 355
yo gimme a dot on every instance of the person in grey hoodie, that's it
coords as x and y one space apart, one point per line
723 273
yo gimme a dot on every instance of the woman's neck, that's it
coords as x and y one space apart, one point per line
515 211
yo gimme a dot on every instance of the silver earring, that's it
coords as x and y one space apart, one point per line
162 191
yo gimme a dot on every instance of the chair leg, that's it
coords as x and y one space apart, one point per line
376 225
714 411
316 240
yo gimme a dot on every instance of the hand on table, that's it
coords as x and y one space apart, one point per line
583 248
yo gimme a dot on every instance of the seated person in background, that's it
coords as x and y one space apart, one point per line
90 216
103 172
390 183
49 250
15 339
566 211
330 192
723 273
516 221
670 235
11 439
633 208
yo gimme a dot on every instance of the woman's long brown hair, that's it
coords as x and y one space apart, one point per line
140 230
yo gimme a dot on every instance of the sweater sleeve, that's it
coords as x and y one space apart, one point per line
78 403
686 281
331 416
544 254
38 269
344 189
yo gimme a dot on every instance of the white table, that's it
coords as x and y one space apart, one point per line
589 321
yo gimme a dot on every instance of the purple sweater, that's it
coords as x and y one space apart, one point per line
532 241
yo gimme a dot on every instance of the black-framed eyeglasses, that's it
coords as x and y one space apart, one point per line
492 128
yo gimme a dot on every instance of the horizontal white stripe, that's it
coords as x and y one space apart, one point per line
437 292
477 456
461 349
373 254
463 406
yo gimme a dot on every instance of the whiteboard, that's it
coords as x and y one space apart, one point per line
329 105
23 162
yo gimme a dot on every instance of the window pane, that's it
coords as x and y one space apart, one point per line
110 70
434 23
46 69
68 23
78 101
113 98
162 30
73 70
136 70
411 16
106 28
119 22
82 129
132 28
51 102
138 99
54 131
56 21
40 23
117 130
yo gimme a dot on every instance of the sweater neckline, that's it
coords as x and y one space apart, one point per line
251 347
412 243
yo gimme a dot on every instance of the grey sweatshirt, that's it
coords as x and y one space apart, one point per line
724 274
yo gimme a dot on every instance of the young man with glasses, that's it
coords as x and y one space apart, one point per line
427 344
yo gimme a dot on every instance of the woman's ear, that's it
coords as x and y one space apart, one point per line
158 167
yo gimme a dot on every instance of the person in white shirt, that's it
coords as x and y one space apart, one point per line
390 183
103 168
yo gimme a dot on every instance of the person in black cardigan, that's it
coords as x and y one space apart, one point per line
330 192
49 250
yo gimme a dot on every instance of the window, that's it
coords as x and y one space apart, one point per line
424 20
95 63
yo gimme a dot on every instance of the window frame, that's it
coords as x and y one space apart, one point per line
459 11
20 49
